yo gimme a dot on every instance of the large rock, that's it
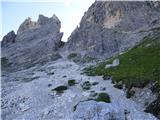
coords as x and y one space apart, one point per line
114 63
35 42
92 110
109 28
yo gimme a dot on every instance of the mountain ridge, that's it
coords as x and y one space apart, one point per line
34 42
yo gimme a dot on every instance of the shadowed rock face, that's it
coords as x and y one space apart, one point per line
108 28
9 38
35 42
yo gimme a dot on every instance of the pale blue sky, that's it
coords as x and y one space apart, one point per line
69 12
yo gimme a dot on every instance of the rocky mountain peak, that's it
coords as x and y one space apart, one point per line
27 24
42 21
34 42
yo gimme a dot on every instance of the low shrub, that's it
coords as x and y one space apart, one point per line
71 82
60 89
103 97
119 85
95 83
130 93
86 85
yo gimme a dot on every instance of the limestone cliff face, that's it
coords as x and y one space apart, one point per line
27 24
35 42
111 27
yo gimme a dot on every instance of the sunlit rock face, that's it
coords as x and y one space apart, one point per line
27 24
35 42
111 27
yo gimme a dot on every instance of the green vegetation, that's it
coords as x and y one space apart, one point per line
138 66
95 83
60 89
103 97
97 70
72 55
118 85
130 93
86 85
71 82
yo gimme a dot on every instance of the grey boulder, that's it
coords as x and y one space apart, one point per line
91 110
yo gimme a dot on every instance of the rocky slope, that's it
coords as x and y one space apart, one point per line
35 42
109 28
33 96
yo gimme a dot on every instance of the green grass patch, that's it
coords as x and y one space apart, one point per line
138 66
103 97
130 93
71 82
118 85
60 89
86 85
